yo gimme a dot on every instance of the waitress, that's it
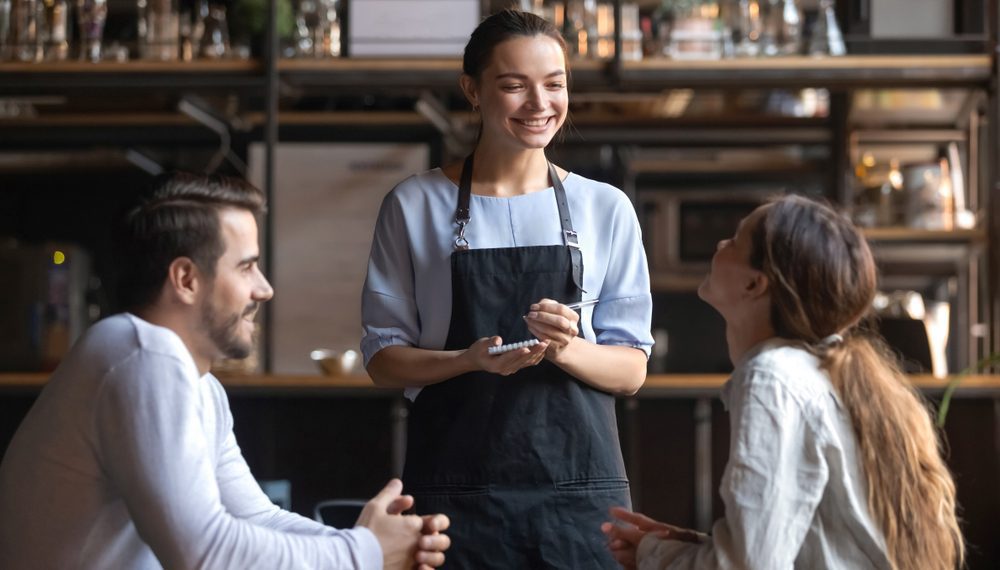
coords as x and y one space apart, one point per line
521 448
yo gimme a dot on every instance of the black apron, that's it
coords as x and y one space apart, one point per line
526 465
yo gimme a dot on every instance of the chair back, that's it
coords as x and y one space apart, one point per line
338 513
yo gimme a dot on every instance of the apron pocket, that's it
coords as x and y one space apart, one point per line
447 490
591 485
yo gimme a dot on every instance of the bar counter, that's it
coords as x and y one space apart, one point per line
656 386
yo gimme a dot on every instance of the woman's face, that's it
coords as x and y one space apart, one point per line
522 94
731 278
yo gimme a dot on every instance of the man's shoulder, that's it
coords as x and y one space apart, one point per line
124 341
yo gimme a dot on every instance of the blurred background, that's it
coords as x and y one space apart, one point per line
697 109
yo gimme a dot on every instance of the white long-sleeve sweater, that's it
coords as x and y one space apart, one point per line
128 460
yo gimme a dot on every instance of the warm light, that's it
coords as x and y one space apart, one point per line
58 257
868 160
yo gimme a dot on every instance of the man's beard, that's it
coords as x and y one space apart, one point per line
224 334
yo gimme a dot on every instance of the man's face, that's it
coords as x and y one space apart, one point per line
234 295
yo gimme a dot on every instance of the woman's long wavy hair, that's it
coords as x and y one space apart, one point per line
823 281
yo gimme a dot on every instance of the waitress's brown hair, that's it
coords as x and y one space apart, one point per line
500 27
823 280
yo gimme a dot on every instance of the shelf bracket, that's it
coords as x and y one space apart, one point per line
457 140
200 111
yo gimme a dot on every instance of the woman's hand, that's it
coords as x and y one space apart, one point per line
506 363
629 528
555 323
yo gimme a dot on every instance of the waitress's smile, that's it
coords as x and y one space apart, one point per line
540 125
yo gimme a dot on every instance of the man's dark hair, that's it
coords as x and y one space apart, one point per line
177 217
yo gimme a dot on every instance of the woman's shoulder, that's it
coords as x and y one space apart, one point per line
421 188
596 193
787 366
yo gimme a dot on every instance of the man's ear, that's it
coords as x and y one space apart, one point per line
470 89
758 285
184 279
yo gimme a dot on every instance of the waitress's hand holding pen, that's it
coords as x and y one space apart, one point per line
557 324
506 363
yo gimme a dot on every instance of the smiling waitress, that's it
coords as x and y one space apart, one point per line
520 449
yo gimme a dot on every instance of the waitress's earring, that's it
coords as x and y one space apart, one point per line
475 107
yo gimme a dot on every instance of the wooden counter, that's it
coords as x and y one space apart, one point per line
656 386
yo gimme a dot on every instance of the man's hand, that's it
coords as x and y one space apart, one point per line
431 547
397 534
432 543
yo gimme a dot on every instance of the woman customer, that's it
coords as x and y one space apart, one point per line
834 462
521 448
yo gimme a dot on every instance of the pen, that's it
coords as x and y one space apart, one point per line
582 304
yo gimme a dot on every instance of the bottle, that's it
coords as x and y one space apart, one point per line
826 37
56 16
27 47
215 38
791 28
5 13
162 23
90 17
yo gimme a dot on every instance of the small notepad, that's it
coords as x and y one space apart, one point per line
513 346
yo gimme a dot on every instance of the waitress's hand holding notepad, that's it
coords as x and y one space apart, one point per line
484 355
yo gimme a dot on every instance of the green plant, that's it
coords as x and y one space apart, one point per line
251 16
956 379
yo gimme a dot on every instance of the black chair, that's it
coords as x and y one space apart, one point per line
338 513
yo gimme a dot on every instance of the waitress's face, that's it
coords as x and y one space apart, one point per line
731 280
522 94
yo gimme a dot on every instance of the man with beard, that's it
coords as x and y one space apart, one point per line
128 459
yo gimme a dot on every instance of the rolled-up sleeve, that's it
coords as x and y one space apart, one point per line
388 307
624 315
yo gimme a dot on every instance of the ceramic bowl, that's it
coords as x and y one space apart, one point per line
335 362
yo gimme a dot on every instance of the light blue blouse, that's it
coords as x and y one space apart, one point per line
407 294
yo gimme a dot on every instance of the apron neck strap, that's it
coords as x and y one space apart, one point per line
463 215
464 192
565 220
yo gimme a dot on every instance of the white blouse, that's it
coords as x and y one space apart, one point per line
407 293
794 488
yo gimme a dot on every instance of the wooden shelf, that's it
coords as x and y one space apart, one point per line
805 71
657 385
47 77
102 119
912 235
660 73
137 66
424 73
418 73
